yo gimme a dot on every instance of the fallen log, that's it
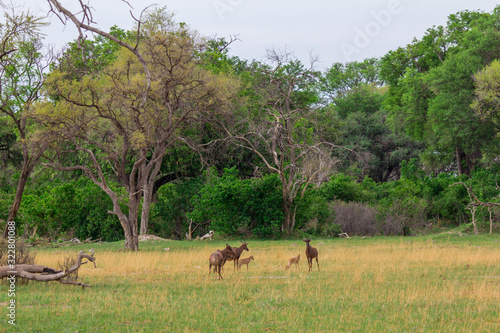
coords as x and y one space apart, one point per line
42 273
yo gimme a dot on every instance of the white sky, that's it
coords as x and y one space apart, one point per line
334 31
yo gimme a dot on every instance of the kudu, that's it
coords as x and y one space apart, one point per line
237 253
218 258
311 253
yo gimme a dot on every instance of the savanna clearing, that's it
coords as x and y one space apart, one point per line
440 283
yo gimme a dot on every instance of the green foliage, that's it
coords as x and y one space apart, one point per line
487 102
234 206
340 78
342 187
411 170
90 57
314 212
10 154
436 99
76 207
432 88
166 221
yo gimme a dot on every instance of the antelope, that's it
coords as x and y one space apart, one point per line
293 260
218 258
311 253
245 261
237 253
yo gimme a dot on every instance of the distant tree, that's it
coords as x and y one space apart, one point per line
364 130
431 89
355 95
341 78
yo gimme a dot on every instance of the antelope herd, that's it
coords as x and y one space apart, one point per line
219 258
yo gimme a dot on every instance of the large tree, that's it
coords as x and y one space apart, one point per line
363 128
487 102
279 128
354 94
121 120
431 89
23 61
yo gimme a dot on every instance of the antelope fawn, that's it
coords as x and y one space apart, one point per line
245 261
293 260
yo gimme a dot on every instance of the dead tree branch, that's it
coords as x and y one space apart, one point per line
42 273
474 203
84 23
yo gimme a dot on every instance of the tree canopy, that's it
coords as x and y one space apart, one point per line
163 128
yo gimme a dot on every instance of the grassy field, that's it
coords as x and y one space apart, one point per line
442 283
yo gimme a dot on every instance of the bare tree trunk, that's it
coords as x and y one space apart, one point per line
189 235
128 223
292 222
132 239
23 179
475 202
287 209
146 208
473 210
29 163
491 221
458 154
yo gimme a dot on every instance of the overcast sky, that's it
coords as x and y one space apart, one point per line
334 31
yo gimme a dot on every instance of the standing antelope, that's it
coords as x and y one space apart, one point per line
311 253
237 253
245 261
218 258
293 260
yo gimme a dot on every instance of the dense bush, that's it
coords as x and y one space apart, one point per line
56 208
236 206
169 211
79 208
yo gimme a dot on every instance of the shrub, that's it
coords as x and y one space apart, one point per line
403 216
167 222
78 207
356 218
333 230
232 204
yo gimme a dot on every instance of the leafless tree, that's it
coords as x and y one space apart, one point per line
475 203
283 136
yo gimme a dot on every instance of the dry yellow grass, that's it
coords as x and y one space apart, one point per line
386 286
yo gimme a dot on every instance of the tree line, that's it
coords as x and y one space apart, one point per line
160 130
